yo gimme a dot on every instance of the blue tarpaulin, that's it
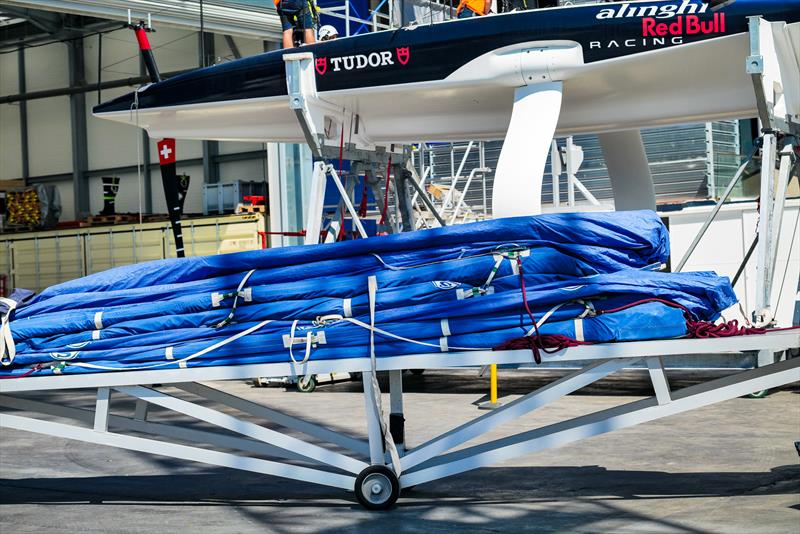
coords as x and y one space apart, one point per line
447 289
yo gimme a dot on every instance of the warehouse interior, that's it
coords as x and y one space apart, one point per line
84 200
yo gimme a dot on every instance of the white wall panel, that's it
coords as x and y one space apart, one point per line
120 56
46 67
173 50
49 136
111 144
9 83
725 245
67 194
234 147
10 162
252 170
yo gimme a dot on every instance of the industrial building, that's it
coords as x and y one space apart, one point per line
210 227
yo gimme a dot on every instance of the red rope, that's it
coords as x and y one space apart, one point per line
705 330
647 301
23 375
549 343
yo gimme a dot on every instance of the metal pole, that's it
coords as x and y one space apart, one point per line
202 39
426 200
80 155
23 117
99 66
347 18
570 175
713 215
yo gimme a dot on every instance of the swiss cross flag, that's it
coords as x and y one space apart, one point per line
166 151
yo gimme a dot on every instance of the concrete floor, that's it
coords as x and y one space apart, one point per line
726 468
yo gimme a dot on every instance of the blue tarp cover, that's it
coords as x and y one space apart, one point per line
447 289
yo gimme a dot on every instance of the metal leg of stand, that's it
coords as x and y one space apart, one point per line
315 204
766 223
396 415
372 414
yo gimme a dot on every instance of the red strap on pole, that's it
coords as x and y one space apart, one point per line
384 215
362 208
141 38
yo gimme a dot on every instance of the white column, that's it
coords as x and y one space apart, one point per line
628 169
520 169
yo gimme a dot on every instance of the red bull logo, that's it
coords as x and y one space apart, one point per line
688 25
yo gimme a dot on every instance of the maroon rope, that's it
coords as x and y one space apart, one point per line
549 343
23 375
705 330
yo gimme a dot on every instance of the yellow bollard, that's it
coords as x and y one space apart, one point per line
492 402
493 384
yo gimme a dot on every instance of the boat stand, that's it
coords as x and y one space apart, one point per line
365 466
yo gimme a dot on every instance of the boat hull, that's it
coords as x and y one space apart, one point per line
610 84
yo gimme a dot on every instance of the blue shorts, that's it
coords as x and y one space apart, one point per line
301 20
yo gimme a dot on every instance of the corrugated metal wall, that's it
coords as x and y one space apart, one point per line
690 162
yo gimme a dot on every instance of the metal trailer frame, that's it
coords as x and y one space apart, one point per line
377 468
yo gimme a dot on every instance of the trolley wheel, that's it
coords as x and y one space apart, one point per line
306 386
759 394
417 372
377 487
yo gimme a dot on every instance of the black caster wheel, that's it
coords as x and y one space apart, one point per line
377 487
306 385
417 372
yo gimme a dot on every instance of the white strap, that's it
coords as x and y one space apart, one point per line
372 290
544 318
347 306
98 320
95 334
309 342
168 354
443 344
197 354
579 330
8 349
445 324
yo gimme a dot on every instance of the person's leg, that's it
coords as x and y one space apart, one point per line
288 30
466 13
310 34
288 41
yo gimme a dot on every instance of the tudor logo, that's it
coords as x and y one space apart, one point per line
321 64
363 61
403 55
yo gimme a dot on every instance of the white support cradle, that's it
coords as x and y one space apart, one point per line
334 458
